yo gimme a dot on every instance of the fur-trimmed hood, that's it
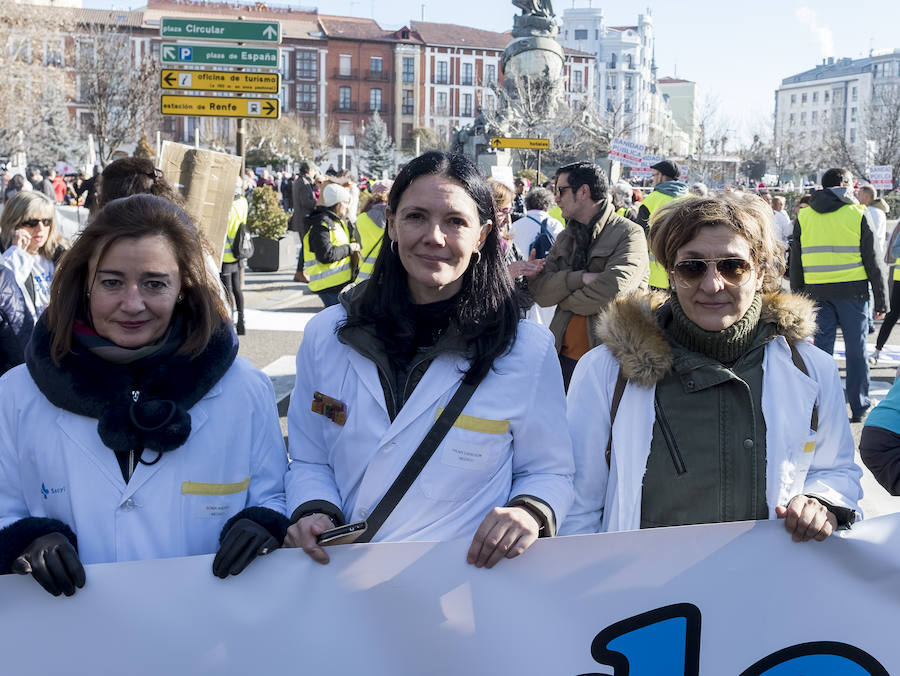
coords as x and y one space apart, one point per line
630 330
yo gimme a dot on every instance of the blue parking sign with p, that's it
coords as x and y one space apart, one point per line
186 54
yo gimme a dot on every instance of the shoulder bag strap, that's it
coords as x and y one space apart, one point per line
800 364
621 382
417 461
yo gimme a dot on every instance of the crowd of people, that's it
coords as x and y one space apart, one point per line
496 362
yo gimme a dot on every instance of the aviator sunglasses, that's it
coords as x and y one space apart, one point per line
733 271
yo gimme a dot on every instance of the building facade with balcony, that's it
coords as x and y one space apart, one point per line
836 98
626 87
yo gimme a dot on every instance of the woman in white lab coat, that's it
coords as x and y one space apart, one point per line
380 366
132 432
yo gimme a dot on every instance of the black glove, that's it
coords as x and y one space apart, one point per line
243 542
52 561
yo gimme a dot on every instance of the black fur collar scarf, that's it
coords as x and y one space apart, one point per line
139 405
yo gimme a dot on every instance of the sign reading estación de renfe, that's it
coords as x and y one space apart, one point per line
229 31
218 106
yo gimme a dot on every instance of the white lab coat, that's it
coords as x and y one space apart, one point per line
510 440
53 464
609 499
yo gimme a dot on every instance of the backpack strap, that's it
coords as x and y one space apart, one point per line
800 364
621 382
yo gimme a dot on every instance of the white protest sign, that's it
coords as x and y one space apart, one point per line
882 178
721 600
630 154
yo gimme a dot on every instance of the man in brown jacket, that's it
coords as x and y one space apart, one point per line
597 257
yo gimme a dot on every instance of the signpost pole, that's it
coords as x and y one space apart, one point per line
537 178
239 144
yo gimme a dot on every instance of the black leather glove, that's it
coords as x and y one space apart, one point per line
53 562
243 542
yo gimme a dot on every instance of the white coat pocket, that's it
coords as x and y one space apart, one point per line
463 464
214 500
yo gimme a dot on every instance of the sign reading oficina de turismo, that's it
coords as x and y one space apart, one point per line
220 81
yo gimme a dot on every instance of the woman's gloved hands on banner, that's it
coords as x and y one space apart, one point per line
243 542
53 562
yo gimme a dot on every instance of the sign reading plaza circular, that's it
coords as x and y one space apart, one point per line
233 31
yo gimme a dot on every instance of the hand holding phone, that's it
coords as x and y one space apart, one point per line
342 535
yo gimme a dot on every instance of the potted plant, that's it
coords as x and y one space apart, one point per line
268 222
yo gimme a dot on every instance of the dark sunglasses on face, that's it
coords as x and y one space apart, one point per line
35 222
734 271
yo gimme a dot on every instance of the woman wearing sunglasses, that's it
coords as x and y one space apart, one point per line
31 245
720 409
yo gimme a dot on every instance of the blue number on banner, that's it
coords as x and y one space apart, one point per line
819 657
661 642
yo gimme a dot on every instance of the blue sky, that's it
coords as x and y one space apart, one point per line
737 52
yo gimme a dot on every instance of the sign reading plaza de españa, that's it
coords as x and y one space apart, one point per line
220 81
218 106
215 55
226 31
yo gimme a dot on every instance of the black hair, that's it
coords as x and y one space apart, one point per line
586 173
488 307
835 176
303 168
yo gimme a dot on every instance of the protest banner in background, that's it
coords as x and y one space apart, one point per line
882 178
628 153
736 599
644 171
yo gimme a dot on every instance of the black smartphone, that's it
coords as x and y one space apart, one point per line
342 534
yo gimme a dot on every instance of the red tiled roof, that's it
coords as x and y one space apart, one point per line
577 52
460 36
353 28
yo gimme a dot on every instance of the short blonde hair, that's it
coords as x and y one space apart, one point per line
503 195
678 222
24 206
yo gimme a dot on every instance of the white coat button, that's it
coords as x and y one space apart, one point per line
128 505
363 513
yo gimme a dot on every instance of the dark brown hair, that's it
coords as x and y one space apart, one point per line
679 221
133 176
134 218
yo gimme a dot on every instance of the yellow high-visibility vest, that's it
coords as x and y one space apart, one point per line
556 213
370 238
658 276
897 270
236 217
327 275
829 245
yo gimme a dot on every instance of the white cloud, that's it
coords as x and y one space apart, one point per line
821 34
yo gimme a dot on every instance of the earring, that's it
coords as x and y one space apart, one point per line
180 298
87 294
394 247
477 256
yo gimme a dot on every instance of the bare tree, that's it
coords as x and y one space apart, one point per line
120 89
882 127
277 142
34 119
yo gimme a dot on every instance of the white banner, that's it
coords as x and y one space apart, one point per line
718 600
630 154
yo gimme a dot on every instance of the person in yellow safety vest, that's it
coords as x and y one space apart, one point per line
328 244
834 260
231 265
666 187
370 224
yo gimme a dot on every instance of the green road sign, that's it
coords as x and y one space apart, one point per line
230 31
220 81
213 55
218 106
